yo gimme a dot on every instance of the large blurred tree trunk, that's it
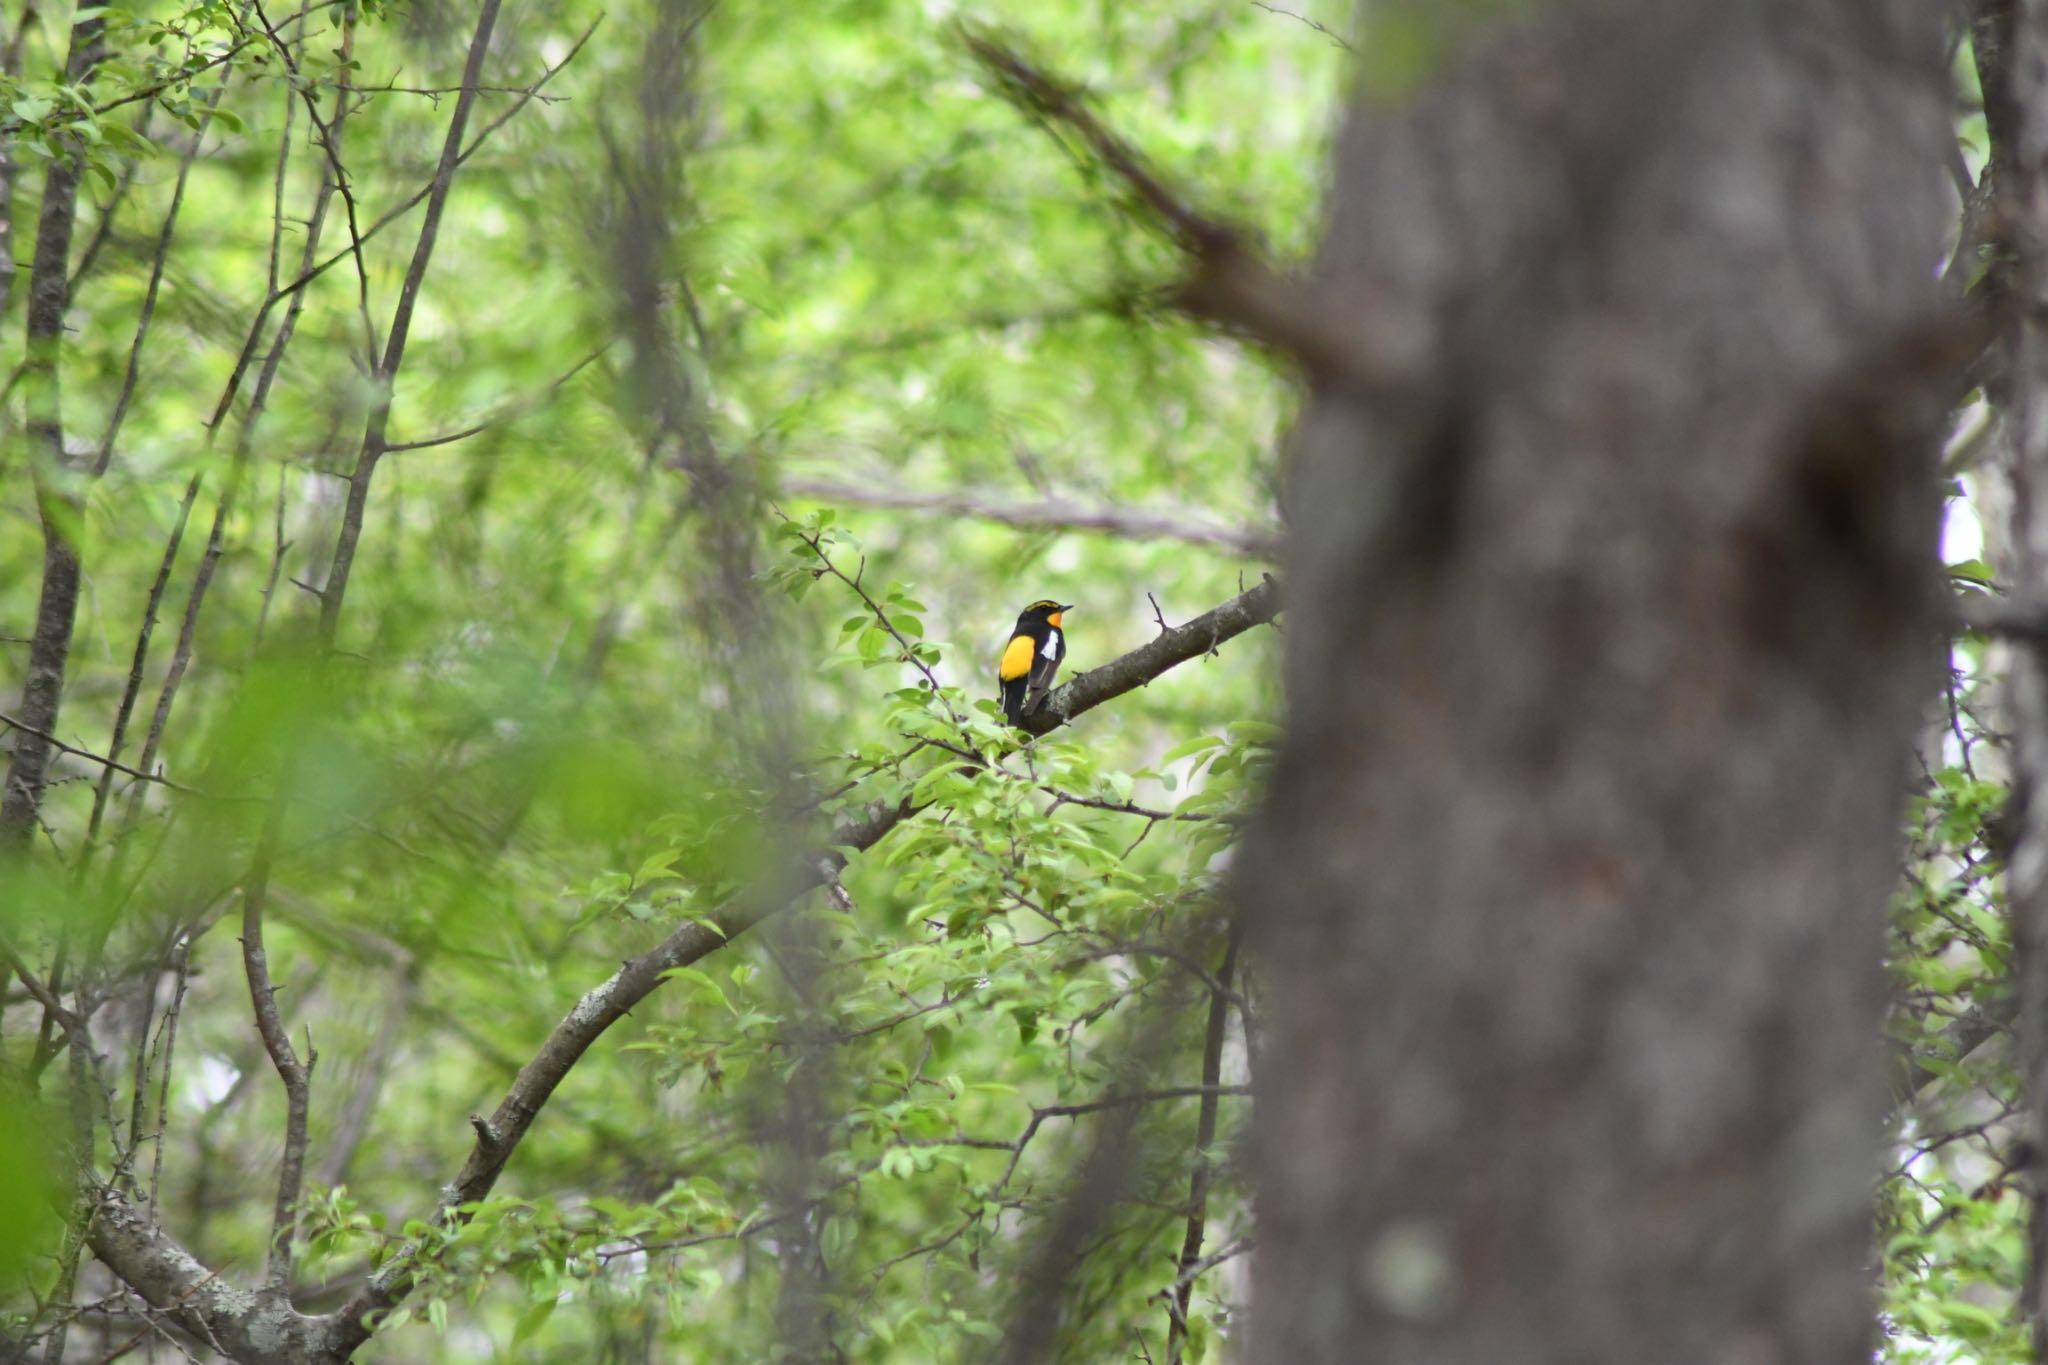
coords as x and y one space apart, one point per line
1604 658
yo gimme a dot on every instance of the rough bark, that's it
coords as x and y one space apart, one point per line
10 68
57 502
254 1328
1605 652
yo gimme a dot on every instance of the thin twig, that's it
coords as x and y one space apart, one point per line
15 722
42 994
1065 798
329 139
1205 1136
278 546
1339 39
182 970
159 257
373 446
138 663
186 74
906 649
296 1074
504 414
307 275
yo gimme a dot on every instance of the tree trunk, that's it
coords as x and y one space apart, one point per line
1605 653
58 503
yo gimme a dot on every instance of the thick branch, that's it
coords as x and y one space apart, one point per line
1175 646
243 1326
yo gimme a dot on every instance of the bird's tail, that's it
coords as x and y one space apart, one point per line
1013 699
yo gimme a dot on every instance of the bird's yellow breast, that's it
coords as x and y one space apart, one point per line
1017 656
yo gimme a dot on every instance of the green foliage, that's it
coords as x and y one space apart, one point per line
32 1195
536 745
1950 1219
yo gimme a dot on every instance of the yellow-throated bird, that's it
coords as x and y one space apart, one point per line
1032 657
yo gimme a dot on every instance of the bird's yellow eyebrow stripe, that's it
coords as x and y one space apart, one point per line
1017 656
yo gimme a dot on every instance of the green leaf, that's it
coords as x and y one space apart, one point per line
704 983
1973 571
1190 747
534 1318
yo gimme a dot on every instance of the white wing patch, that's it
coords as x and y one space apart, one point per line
1054 646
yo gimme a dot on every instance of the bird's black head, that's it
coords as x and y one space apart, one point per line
1046 610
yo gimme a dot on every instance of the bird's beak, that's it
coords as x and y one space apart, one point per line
1068 607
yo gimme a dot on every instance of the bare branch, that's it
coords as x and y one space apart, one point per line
1339 39
43 995
329 138
239 1325
295 1073
316 224
1053 514
132 690
181 966
1183 1288
158 258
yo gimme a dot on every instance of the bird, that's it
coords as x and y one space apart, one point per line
1031 658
